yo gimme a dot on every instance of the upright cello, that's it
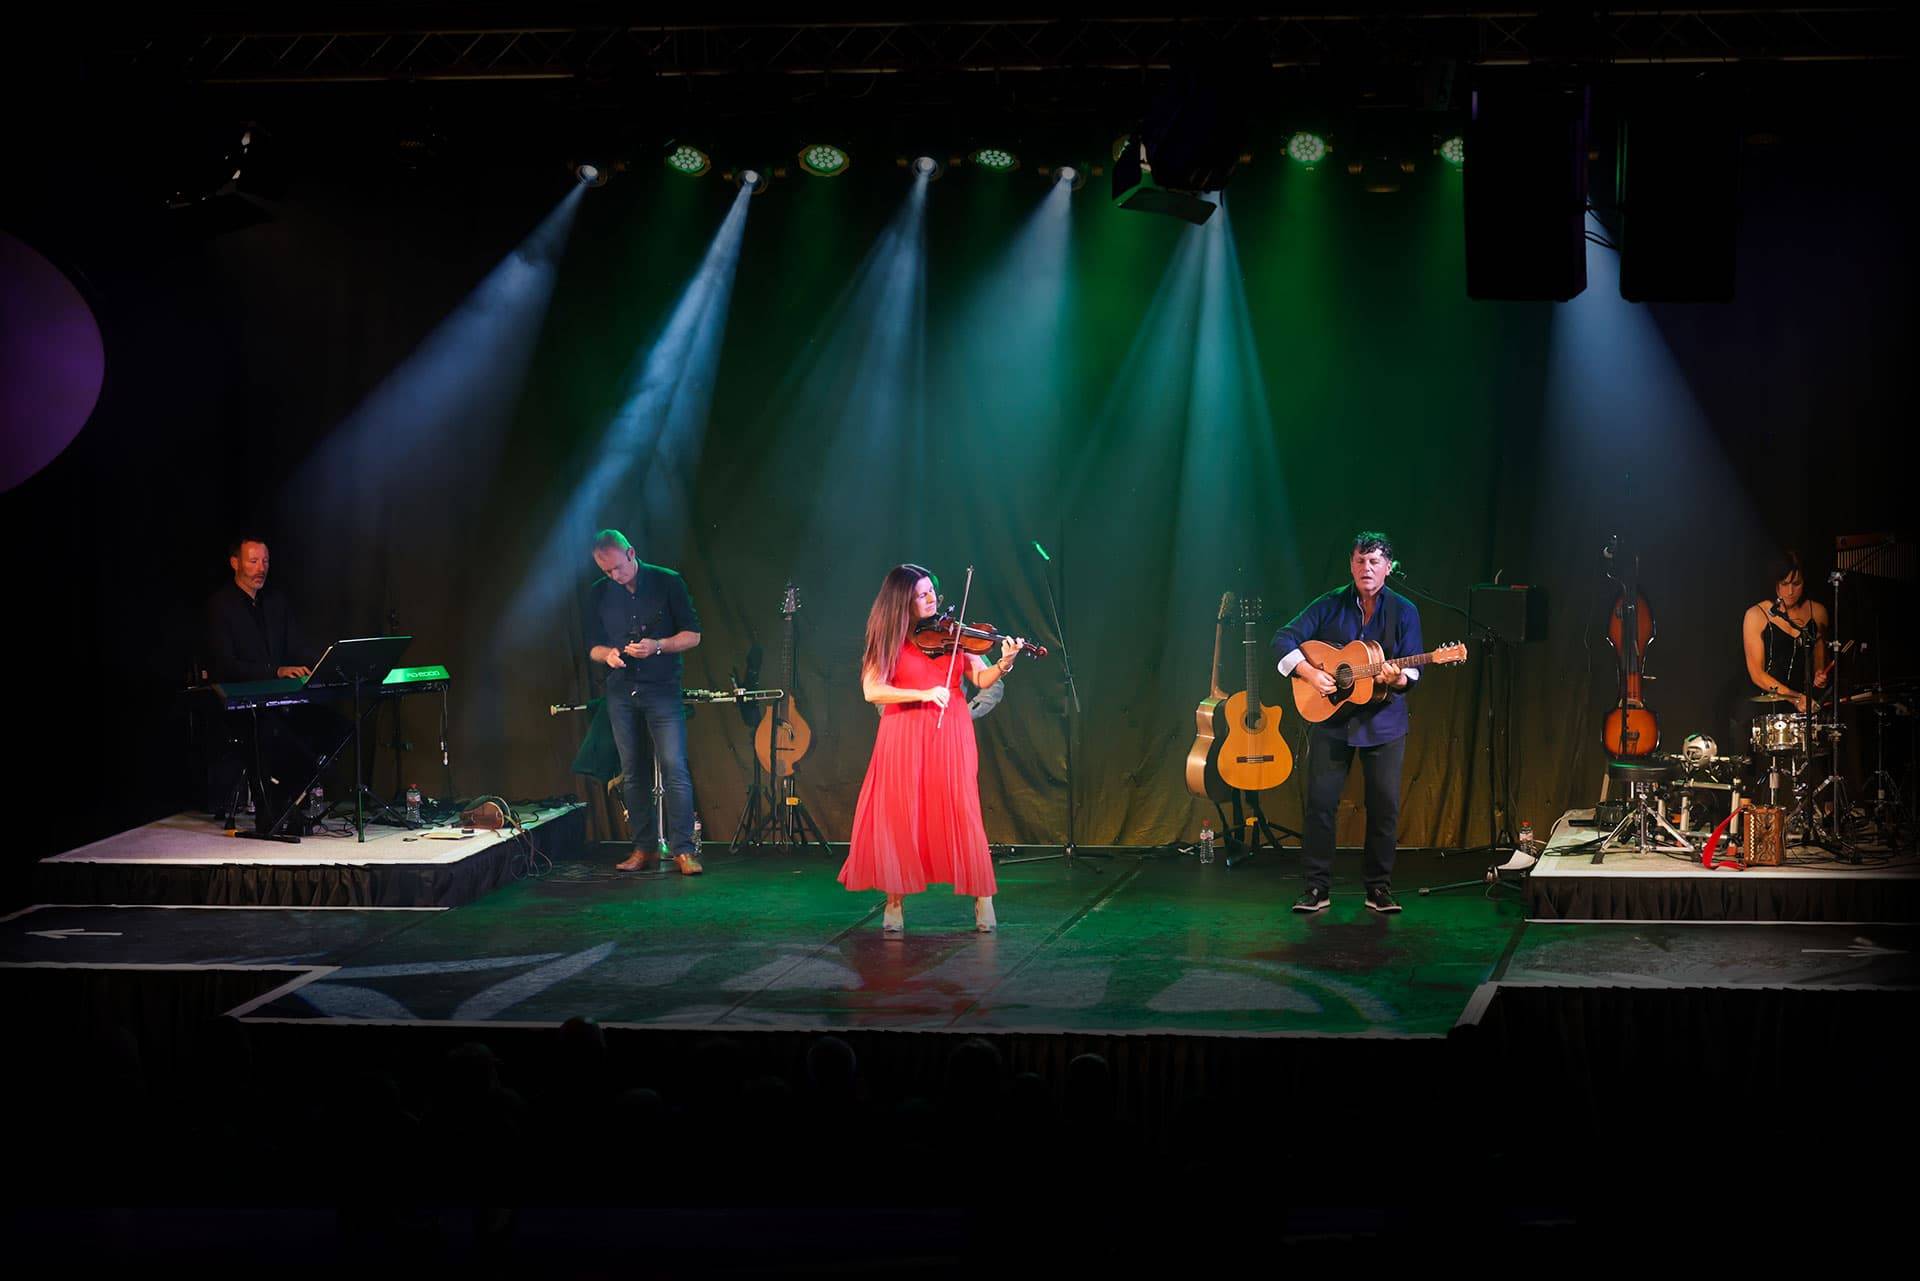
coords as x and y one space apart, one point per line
1631 729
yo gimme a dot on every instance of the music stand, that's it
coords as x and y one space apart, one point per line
358 663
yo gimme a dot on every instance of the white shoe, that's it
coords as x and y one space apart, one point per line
983 915
893 919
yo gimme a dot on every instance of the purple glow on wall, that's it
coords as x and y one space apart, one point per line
52 363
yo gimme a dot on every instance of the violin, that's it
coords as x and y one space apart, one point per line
941 635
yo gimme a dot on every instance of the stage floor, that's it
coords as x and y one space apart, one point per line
1148 943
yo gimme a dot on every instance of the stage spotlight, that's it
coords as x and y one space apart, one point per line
1072 177
751 179
590 174
995 160
923 166
824 160
1453 151
1308 149
684 158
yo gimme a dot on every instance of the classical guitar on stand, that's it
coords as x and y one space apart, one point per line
1355 668
1255 756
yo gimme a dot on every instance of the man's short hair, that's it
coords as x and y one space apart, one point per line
611 538
241 540
1372 540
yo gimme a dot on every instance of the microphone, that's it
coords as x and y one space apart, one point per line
1612 544
1776 610
1393 568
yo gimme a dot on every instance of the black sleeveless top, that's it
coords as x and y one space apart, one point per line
1787 660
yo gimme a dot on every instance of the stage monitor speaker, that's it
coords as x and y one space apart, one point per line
1515 614
1525 188
1677 183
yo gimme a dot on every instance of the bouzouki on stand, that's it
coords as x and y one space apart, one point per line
779 741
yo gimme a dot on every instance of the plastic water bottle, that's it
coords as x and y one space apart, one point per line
317 803
1206 842
413 802
696 831
1525 841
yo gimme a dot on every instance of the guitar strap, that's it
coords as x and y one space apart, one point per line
1390 631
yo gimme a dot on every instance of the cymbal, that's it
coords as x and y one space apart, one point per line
1768 698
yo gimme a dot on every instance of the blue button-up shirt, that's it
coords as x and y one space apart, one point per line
1335 619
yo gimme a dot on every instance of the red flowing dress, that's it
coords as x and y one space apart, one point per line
918 820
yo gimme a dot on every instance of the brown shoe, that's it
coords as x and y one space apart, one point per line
689 864
638 861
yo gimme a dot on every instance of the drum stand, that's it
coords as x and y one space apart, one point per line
1645 816
1888 811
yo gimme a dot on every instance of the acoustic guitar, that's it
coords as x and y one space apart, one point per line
1355 668
783 735
1255 756
1210 723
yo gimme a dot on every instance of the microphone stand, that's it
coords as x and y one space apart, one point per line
1069 712
1493 641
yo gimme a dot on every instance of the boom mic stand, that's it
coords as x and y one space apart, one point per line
1499 839
1069 711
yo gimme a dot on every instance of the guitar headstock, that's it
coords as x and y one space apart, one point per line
1250 610
1451 652
1226 607
790 601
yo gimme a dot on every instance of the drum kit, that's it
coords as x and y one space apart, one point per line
1788 746
1779 780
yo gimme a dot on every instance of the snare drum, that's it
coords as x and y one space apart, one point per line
1778 733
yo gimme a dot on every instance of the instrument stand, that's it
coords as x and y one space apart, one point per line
273 832
1831 834
1648 820
752 821
1069 715
1888 811
1248 831
786 822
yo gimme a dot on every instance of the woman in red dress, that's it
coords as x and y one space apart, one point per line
918 820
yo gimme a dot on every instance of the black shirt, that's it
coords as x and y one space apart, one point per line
656 608
250 638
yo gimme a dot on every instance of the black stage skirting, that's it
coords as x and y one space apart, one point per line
1724 896
342 884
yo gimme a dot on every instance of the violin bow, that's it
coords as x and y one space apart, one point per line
959 629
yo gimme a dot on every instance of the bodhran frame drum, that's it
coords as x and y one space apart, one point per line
1766 836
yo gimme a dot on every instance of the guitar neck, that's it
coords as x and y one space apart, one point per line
1412 660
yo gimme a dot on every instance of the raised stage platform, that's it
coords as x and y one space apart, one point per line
1815 885
189 859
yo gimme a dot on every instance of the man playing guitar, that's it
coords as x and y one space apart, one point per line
1376 732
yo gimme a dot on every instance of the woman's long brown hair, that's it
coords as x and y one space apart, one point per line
890 619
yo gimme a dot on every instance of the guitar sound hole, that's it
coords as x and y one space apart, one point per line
1344 677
